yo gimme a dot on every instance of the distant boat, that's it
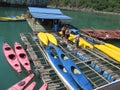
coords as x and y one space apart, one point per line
11 57
73 70
13 18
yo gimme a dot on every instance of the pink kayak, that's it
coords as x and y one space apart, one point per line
31 86
11 57
21 84
44 86
22 56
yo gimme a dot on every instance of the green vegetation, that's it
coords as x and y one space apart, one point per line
101 5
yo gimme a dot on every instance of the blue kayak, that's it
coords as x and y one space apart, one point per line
73 70
60 70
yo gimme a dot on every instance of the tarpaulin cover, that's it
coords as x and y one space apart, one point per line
47 13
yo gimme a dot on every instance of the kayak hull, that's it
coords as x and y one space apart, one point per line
11 57
21 84
73 70
43 38
60 70
51 39
22 56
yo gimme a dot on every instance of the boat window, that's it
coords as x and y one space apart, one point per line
21 83
18 47
74 70
64 57
7 48
62 68
22 55
12 56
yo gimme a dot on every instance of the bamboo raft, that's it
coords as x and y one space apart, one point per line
45 71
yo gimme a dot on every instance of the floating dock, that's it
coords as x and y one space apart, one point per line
44 70
102 34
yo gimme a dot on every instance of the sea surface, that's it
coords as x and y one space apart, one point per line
10 32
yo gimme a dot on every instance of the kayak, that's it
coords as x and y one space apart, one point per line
44 86
31 86
11 57
73 70
12 18
21 84
60 69
51 39
43 38
22 56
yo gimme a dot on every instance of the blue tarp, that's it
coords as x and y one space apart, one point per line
47 13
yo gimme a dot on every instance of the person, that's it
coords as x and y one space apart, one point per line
63 29
77 36
67 34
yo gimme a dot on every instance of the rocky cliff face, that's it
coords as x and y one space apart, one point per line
42 3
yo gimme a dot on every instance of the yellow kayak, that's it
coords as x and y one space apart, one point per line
112 53
51 39
43 38
12 18
82 42
113 47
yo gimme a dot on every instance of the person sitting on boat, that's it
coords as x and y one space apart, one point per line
77 36
67 34
63 29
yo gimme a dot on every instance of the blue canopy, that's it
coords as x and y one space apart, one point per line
47 13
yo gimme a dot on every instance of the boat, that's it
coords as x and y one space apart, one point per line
31 86
44 86
43 38
73 70
21 84
13 18
60 69
11 57
51 39
102 34
22 56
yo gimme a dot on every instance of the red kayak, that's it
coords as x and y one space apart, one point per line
22 56
44 86
11 57
31 86
21 84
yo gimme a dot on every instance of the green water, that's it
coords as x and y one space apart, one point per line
10 32
95 21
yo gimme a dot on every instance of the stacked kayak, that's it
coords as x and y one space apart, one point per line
22 56
109 51
47 38
113 47
17 57
82 42
60 69
69 66
21 84
11 57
